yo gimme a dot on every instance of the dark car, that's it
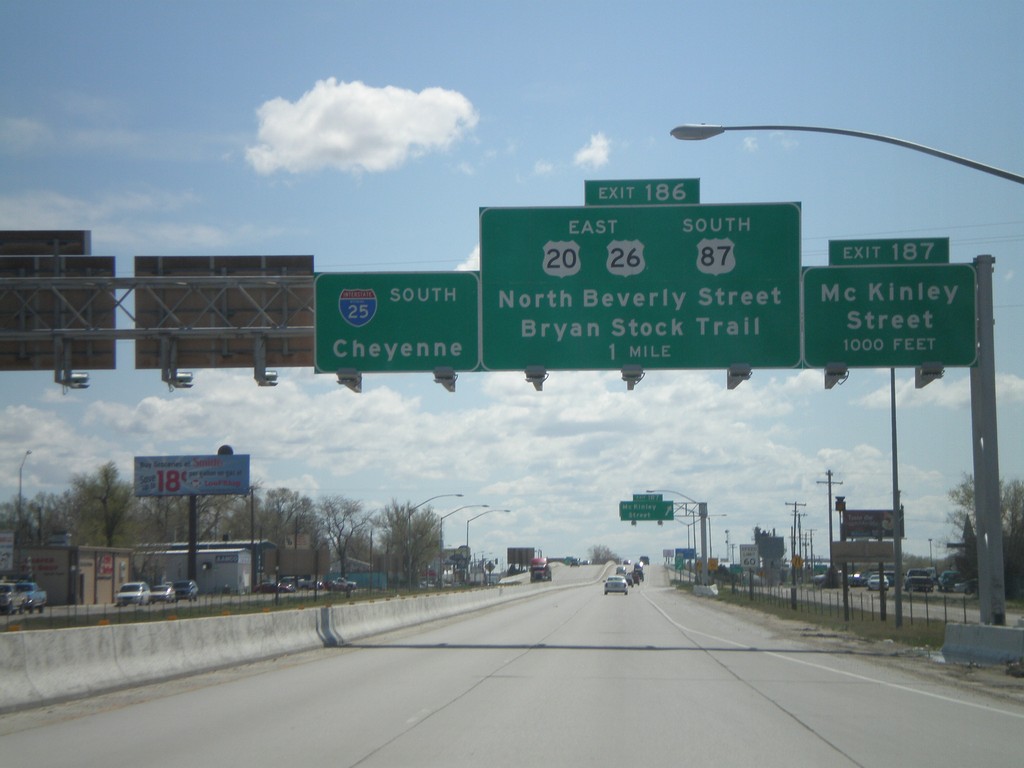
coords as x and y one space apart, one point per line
269 587
341 585
918 584
948 580
186 590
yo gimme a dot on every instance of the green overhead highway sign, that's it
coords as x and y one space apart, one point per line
394 321
646 510
887 317
881 253
690 286
642 192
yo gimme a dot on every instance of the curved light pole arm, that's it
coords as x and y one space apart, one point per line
697 132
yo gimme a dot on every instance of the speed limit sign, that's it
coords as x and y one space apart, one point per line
748 555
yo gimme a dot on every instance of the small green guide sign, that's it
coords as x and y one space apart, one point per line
646 510
881 253
396 322
642 192
670 286
884 317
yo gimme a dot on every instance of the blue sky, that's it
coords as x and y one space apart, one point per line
369 134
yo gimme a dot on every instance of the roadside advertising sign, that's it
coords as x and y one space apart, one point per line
192 475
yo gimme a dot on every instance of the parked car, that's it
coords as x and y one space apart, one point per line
33 598
132 593
341 585
918 580
948 580
857 579
616 584
186 589
163 593
874 582
968 587
11 599
272 588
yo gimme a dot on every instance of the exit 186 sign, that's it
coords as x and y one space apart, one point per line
689 286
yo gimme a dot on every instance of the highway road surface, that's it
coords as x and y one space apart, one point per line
569 677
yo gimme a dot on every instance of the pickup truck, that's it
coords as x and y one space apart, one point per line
35 598
10 598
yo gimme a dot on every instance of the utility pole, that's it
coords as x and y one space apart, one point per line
792 565
831 580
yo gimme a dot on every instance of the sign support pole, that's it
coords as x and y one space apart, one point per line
987 501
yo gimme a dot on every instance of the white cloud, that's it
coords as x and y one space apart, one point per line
353 127
542 168
595 153
472 262
750 144
19 135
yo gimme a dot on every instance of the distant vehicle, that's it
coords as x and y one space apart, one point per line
341 585
968 587
540 569
132 593
918 580
638 572
948 580
616 584
33 598
857 579
163 593
645 559
269 587
874 583
10 599
186 589
629 578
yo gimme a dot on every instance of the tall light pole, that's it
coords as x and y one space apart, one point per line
474 517
21 467
987 501
408 531
440 524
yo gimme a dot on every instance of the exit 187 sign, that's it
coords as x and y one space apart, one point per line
690 286
883 317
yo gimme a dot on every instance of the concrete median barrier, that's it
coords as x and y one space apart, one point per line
52 665
982 644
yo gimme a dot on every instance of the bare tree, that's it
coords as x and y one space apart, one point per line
341 521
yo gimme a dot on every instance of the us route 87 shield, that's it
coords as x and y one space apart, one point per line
357 306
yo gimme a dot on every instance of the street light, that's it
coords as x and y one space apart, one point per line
698 132
987 512
408 530
20 468
440 555
474 517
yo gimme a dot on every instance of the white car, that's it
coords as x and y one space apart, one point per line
616 584
132 593
874 582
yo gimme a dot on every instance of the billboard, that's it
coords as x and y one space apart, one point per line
868 524
192 475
